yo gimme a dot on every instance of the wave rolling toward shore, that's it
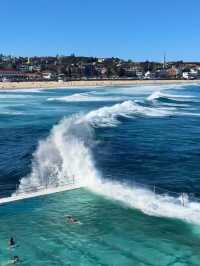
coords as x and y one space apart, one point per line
68 152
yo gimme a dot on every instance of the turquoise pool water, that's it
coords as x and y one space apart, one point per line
109 233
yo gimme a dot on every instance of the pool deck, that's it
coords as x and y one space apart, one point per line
43 192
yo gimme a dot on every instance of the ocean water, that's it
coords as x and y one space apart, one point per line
134 150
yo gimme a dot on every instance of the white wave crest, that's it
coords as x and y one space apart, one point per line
61 156
67 153
51 158
108 116
157 94
85 97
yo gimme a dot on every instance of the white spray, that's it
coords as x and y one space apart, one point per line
67 152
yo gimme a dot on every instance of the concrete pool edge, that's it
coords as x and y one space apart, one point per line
43 192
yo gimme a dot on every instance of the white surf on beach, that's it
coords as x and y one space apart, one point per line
10 91
67 152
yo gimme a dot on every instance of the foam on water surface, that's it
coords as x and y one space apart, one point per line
67 152
85 97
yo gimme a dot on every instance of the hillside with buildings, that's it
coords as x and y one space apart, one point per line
67 68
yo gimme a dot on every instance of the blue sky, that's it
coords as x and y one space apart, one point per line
135 29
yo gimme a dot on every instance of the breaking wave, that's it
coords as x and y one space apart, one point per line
108 116
157 95
85 97
148 202
56 157
67 153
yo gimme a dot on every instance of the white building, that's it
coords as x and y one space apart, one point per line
194 72
149 75
188 75
47 75
101 60
185 75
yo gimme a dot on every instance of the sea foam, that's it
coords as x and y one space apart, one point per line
86 97
67 152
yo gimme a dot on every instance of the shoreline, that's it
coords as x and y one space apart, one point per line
89 83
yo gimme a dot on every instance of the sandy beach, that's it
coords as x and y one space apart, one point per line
54 84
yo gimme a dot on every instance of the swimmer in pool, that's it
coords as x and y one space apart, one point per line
12 242
15 260
72 220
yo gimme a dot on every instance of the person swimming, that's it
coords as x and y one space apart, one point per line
15 260
72 220
12 242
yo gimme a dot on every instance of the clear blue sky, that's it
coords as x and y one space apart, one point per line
135 29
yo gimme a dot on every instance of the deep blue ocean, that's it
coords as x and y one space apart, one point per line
134 149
